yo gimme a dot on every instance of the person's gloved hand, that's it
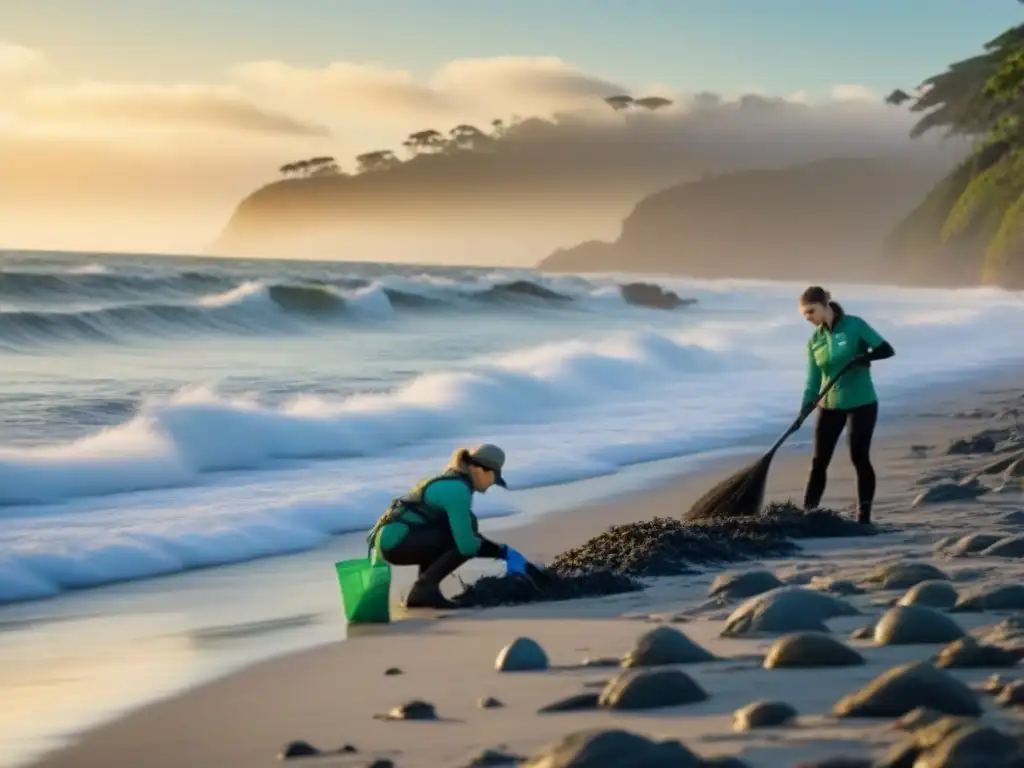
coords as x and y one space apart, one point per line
514 560
863 360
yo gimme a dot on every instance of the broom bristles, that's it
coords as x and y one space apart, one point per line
739 495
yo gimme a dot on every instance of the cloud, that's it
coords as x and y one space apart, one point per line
853 92
173 106
465 87
17 60
343 87
546 82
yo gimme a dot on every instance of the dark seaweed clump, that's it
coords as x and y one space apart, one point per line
609 563
491 591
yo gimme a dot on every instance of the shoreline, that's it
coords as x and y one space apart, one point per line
541 536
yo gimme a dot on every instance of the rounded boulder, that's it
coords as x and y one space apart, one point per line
521 655
739 585
810 649
906 687
786 609
912 624
665 645
934 593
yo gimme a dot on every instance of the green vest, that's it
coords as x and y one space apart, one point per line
411 509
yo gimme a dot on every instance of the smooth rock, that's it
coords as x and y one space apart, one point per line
910 624
967 652
931 594
392 671
489 702
903 688
786 609
980 443
1012 694
1011 546
296 749
495 757
651 689
599 748
973 745
996 597
1000 465
943 492
576 703
665 645
763 714
903 575
972 543
523 654
411 710
739 585
810 649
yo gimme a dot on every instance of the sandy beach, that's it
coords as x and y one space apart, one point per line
329 696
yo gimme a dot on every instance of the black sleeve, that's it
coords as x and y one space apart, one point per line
489 549
882 351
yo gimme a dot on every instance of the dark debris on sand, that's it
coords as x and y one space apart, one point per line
670 547
491 591
609 563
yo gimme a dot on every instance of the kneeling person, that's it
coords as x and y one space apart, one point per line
433 526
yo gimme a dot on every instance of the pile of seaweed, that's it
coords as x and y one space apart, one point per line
491 591
610 562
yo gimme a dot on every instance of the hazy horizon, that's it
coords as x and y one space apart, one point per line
141 134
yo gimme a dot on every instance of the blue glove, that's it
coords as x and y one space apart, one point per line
514 561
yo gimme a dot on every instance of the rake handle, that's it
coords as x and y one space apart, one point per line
814 404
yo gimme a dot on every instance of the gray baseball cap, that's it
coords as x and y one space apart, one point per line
490 457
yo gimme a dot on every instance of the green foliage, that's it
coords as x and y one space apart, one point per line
978 209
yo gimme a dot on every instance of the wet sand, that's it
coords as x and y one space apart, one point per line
328 696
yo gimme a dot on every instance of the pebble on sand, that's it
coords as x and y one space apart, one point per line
972 543
942 492
952 743
599 748
1010 546
903 575
810 649
739 585
411 710
651 689
786 609
993 597
911 624
1012 694
489 702
576 703
665 645
294 749
934 593
495 757
763 714
523 654
968 652
903 688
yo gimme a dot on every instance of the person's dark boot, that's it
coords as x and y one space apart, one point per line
864 514
427 594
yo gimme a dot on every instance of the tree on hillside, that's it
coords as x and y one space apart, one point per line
619 102
978 209
378 160
314 166
653 103
898 97
467 136
427 141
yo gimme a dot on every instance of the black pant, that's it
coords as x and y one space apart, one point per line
433 549
860 427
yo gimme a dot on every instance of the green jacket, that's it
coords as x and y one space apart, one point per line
446 499
828 351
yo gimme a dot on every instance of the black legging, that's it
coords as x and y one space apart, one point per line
860 424
432 548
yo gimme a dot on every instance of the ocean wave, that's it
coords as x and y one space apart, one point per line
254 307
172 442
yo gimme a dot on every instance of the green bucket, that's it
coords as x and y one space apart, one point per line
365 590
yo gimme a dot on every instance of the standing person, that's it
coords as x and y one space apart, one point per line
433 525
838 339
